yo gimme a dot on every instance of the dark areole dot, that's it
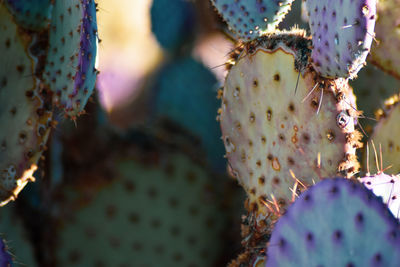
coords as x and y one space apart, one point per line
378 257
337 235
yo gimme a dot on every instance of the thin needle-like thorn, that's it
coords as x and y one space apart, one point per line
362 129
297 180
312 90
297 83
294 194
380 155
376 156
319 160
320 100
368 173
275 203
387 168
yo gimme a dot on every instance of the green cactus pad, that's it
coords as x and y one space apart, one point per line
154 212
30 14
24 119
186 94
372 87
335 223
385 51
270 135
70 69
172 22
385 136
16 237
249 19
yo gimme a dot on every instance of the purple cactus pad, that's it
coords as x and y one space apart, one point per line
336 222
250 18
387 187
342 34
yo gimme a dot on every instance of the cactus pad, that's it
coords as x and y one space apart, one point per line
30 14
270 135
160 213
386 137
249 19
335 223
16 237
373 86
385 53
25 120
342 34
186 94
387 187
70 69
172 22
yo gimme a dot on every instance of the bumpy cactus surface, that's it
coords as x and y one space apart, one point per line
342 34
177 223
387 187
25 120
335 223
276 143
30 14
249 19
70 69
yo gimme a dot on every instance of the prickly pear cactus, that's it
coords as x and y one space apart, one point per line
386 139
372 88
172 22
24 115
335 223
275 142
70 71
185 93
387 187
249 19
342 34
34 15
384 52
173 219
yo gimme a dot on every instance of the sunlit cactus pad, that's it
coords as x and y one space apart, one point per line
342 34
25 120
248 19
272 137
337 222
70 69
386 139
385 51
387 187
31 14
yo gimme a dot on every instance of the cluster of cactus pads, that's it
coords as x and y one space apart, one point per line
289 117
48 62
289 121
